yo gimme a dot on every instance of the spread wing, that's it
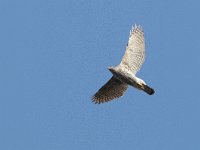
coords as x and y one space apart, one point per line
135 51
114 88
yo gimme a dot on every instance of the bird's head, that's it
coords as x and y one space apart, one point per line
111 69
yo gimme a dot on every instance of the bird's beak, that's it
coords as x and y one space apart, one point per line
109 68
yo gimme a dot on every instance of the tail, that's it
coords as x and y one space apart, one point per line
148 90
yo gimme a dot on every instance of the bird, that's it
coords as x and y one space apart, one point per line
124 74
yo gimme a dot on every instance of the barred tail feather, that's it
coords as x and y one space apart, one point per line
148 90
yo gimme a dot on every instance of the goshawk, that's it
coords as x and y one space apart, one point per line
125 73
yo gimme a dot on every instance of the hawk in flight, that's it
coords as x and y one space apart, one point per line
125 73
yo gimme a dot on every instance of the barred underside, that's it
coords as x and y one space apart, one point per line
135 51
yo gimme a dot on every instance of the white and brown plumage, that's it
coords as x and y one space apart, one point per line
125 73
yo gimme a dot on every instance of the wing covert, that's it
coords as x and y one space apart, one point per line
114 88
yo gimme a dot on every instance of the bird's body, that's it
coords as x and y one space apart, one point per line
125 76
125 73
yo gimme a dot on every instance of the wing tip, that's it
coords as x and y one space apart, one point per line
97 100
136 28
100 100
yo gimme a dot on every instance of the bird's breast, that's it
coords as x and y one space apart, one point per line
125 76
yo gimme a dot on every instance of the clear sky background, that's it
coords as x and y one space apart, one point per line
54 56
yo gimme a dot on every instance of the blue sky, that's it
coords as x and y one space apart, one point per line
54 56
